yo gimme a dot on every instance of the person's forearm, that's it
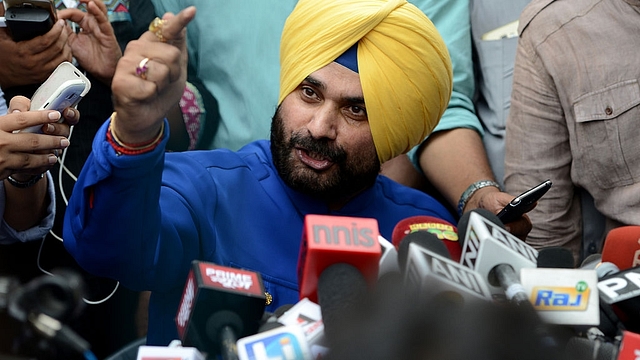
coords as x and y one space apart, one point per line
454 159
25 207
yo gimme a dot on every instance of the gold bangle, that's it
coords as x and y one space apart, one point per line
144 146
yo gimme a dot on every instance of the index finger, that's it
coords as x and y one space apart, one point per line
174 26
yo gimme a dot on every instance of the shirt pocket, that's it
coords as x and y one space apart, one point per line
607 143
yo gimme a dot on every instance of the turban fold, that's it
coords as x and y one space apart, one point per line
404 66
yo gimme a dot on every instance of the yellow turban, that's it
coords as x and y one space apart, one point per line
404 65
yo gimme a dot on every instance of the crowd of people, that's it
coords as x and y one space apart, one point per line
369 108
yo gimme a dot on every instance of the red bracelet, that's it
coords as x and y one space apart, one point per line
122 148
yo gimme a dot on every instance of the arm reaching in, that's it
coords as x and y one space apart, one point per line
31 61
26 156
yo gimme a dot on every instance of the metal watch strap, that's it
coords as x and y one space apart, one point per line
25 184
471 190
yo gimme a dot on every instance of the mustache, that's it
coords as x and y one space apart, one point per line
321 147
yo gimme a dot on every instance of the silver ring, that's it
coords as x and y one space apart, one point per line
56 152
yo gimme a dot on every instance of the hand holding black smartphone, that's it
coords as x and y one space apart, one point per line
524 202
27 19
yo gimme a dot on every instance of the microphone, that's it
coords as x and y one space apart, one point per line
563 296
580 348
495 254
388 264
429 272
285 343
338 264
170 352
620 286
219 304
443 230
423 239
620 291
340 289
609 322
622 247
328 240
556 257
594 262
629 346
308 316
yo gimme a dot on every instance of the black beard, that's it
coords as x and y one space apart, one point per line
346 178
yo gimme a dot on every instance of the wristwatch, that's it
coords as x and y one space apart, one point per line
471 190
25 184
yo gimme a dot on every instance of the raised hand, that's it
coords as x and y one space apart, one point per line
95 47
150 78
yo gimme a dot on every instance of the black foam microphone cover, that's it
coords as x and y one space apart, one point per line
426 240
340 288
555 257
579 348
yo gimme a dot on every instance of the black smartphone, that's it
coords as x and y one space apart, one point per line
27 19
524 202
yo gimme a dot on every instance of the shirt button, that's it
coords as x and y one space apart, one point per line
608 110
268 298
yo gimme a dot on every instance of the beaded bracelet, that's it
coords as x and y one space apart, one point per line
122 148
466 195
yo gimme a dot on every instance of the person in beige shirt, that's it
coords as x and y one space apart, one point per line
575 109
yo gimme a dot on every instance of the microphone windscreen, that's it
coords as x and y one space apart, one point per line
340 288
425 240
622 246
579 348
555 257
446 232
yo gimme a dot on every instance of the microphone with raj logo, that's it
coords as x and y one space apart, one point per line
219 305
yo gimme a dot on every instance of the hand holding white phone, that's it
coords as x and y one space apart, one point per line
64 88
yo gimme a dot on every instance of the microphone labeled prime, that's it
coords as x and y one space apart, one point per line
218 305
235 279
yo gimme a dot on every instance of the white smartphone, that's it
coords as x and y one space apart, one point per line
64 88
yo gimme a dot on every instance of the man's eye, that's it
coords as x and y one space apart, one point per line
309 92
358 111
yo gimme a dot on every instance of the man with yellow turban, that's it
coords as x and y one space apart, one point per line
361 82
